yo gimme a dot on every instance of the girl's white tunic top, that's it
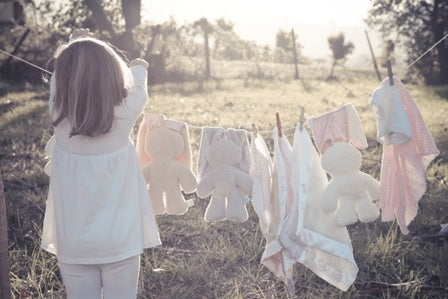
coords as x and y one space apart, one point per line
98 209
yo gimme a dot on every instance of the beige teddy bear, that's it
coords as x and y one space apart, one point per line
350 192
165 156
226 179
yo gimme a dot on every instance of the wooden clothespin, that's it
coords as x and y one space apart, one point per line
279 124
389 72
254 129
302 117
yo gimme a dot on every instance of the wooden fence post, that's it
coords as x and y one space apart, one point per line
5 286
294 50
207 29
373 57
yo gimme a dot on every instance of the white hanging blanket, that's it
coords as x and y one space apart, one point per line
286 198
309 234
272 199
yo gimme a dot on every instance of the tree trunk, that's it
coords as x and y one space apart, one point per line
206 49
439 23
373 57
5 286
332 69
443 60
152 42
296 68
99 16
131 13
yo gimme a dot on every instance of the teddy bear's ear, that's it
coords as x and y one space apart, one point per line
244 143
154 120
186 156
231 134
239 137
209 135
217 135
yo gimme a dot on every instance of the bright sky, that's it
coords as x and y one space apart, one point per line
259 20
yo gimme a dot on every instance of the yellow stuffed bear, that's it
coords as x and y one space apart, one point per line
165 157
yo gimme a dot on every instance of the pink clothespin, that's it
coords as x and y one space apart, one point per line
279 125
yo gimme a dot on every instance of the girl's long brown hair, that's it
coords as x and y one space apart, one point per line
89 83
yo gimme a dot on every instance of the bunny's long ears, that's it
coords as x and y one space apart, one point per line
211 134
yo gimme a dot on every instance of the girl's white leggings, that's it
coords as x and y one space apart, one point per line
114 280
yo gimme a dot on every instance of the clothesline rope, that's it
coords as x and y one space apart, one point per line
200 127
44 70
426 52
249 130
27 62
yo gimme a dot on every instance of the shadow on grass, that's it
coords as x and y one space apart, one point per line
24 126
441 140
442 91
306 85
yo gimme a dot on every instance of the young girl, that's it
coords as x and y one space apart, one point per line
98 214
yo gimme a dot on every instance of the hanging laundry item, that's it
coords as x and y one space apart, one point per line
350 192
164 152
223 170
342 125
404 165
272 198
310 235
261 171
393 125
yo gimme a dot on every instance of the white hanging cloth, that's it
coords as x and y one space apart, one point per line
272 199
261 170
310 235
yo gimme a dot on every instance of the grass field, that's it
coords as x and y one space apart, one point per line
222 260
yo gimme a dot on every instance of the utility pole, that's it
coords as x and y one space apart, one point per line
373 57
206 29
296 74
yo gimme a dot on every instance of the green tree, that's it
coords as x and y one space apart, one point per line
284 47
417 25
50 23
339 48
387 53
283 40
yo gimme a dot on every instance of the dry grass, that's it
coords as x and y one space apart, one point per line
222 260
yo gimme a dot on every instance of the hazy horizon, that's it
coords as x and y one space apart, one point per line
258 21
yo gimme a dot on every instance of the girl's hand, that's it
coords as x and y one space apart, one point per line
78 33
141 62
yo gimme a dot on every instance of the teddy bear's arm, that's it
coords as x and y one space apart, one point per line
187 180
205 187
244 181
372 187
329 200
